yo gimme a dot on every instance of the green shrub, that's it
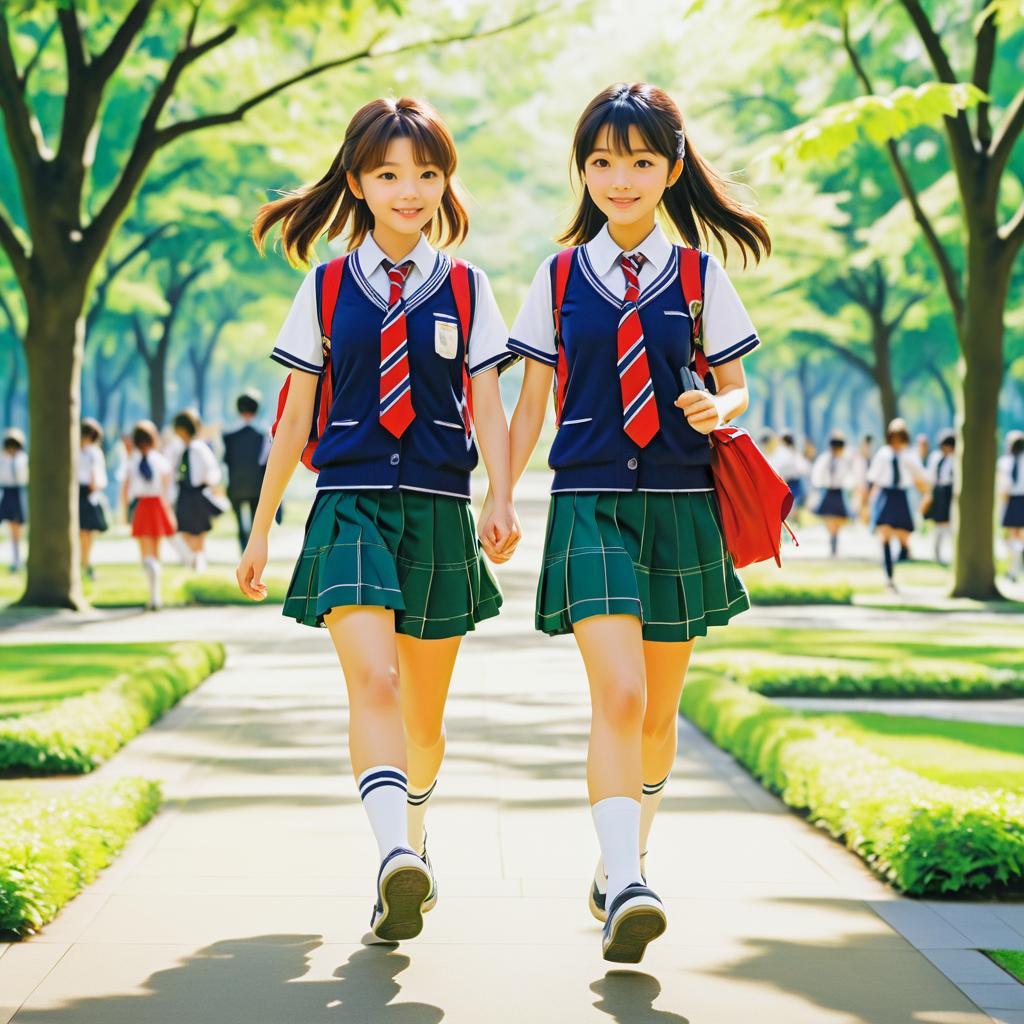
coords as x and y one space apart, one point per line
923 837
81 733
762 593
816 678
52 846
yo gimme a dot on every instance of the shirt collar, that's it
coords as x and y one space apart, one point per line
371 256
604 253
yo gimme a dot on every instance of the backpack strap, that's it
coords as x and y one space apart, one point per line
330 288
561 266
459 276
693 296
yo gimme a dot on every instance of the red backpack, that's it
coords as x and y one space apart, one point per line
752 498
330 288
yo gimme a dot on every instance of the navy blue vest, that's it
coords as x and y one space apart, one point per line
591 452
355 451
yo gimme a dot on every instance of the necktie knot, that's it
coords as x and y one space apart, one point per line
631 269
397 275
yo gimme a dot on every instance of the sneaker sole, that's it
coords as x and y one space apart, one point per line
403 896
634 929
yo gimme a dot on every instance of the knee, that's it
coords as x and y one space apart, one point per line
379 688
424 732
660 727
621 704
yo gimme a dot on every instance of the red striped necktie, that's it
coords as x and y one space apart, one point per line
396 411
639 410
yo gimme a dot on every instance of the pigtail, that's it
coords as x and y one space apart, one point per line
699 203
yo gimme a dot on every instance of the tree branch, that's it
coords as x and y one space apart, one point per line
15 253
107 62
31 65
1013 234
907 306
946 269
71 34
1007 133
17 118
9 313
984 58
140 340
851 357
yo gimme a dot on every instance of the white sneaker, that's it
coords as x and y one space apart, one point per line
635 918
403 887
599 889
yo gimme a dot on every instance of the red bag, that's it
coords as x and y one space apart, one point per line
752 498
330 288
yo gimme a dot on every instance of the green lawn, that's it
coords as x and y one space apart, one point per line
968 754
34 676
1011 960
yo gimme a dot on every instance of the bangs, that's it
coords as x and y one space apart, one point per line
431 141
618 114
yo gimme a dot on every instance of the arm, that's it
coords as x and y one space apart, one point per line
498 523
528 417
292 435
704 411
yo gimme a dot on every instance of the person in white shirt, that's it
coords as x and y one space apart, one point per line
832 472
939 504
145 491
197 472
92 481
13 481
894 468
1010 477
792 467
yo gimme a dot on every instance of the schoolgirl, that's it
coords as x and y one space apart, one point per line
198 470
13 481
832 472
938 505
634 561
390 562
145 491
92 482
1010 477
793 467
893 469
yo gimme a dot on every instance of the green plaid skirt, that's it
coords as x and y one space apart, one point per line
659 557
414 552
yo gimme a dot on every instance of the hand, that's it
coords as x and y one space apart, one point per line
250 568
499 530
700 409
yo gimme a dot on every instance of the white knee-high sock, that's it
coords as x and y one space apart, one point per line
383 790
649 803
151 566
15 553
416 814
617 820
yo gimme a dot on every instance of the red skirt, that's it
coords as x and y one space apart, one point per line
151 519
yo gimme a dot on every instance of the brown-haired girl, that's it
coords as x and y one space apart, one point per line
895 467
92 482
634 562
146 491
390 563
195 505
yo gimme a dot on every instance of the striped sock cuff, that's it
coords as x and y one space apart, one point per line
651 788
379 776
416 799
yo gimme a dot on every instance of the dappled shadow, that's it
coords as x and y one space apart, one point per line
256 980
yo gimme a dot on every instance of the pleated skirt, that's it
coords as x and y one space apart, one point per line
942 503
832 503
891 508
658 556
413 552
1013 514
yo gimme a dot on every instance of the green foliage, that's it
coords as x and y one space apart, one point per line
82 732
221 590
879 118
52 846
771 593
922 837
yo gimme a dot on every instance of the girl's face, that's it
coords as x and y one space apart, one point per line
627 187
402 195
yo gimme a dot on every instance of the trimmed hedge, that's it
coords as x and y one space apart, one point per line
53 846
923 837
875 679
762 593
82 732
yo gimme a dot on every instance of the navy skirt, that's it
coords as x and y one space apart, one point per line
891 508
90 516
1013 514
192 511
833 504
796 488
942 502
12 506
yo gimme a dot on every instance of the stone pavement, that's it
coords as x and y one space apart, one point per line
245 900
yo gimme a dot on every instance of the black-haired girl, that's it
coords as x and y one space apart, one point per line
92 482
391 563
938 506
1010 477
13 483
832 472
634 561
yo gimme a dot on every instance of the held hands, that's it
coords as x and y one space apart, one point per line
250 568
700 409
499 530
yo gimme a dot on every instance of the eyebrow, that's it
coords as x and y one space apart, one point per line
393 163
649 152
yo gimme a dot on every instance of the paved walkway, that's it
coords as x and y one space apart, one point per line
245 899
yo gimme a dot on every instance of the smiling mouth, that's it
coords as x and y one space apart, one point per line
410 212
624 201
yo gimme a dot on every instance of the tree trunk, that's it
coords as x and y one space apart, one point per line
981 373
13 386
156 373
881 345
54 344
